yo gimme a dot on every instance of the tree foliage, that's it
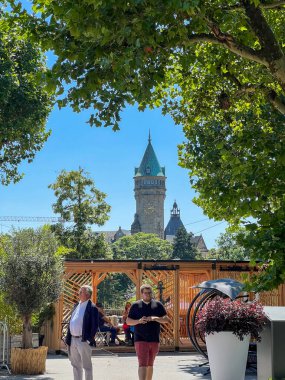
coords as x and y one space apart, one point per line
182 245
229 247
25 100
32 274
217 67
9 314
266 244
80 204
230 51
141 246
118 284
93 244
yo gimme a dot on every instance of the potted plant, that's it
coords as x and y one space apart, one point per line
227 326
31 277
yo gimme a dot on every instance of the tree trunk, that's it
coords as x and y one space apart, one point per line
27 332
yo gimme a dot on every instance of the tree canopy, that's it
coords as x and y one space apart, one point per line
229 247
25 100
200 57
141 246
82 205
182 245
217 67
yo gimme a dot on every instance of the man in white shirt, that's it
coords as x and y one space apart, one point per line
82 328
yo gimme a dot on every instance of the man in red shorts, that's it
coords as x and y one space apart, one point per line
146 315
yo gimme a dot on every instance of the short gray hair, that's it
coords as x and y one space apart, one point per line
145 286
88 289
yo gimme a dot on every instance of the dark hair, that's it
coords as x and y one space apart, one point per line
127 304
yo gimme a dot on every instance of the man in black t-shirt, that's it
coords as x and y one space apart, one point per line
146 315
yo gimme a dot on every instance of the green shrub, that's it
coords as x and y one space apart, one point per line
9 314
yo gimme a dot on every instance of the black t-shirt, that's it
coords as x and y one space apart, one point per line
147 332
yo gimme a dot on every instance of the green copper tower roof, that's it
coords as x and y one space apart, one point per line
149 166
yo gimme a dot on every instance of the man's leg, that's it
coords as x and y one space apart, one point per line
153 351
149 372
142 373
142 351
85 352
112 330
75 359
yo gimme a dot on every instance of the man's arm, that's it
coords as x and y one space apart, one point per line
107 320
94 325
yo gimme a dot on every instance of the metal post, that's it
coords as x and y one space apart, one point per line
4 346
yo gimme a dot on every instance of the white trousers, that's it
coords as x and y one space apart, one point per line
79 354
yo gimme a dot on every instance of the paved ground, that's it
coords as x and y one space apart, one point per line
170 366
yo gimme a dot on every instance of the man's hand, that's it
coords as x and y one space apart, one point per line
164 319
143 320
91 343
153 319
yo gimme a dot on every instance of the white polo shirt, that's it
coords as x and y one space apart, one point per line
76 321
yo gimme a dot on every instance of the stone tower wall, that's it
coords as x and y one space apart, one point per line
150 196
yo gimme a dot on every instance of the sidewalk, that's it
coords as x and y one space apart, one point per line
168 365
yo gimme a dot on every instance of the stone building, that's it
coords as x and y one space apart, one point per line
150 192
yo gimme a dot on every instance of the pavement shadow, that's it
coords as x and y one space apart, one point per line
24 377
196 367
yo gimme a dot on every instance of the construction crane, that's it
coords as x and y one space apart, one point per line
39 219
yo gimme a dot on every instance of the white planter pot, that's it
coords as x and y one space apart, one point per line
227 355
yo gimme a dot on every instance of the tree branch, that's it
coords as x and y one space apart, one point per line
262 30
270 48
228 42
272 96
270 55
272 5
276 102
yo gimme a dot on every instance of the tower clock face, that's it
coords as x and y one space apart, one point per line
150 209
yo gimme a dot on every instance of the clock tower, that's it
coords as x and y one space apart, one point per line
149 194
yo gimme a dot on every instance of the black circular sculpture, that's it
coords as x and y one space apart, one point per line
223 287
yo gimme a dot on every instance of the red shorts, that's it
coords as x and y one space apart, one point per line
146 353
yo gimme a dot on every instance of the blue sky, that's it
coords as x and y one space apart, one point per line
110 158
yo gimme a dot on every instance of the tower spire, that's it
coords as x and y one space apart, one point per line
149 138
